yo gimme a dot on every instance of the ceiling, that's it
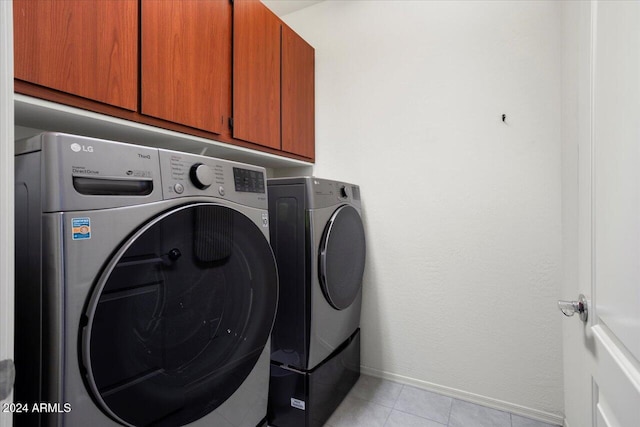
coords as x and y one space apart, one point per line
283 7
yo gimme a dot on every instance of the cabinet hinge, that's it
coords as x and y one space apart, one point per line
231 122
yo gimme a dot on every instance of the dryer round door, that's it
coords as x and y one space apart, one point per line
180 316
342 257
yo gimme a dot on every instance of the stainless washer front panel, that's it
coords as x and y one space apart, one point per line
109 229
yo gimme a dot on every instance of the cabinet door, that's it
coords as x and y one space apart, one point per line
186 62
256 74
298 103
85 48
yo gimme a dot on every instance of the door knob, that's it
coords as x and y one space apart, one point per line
569 308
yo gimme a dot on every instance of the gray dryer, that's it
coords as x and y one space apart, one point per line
319 242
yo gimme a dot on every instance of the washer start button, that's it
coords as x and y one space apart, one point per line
178 188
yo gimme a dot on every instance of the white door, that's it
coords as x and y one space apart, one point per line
602 115
6 202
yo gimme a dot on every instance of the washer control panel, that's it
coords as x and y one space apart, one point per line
192 175
248 181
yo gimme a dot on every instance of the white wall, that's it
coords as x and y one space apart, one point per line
462 211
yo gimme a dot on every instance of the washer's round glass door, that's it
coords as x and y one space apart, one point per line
342 257
180 316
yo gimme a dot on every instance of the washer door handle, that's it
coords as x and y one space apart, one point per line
7 377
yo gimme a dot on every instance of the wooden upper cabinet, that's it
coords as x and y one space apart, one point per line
186 62
185 65
256 74
85 48
298 95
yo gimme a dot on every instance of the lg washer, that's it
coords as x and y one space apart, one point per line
146 287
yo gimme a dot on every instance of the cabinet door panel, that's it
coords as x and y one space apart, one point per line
186 62
85 48
256 74
298 110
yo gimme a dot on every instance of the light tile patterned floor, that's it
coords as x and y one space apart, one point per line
374 402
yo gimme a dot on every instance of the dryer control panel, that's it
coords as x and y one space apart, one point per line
324 192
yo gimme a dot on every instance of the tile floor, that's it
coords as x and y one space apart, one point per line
375 402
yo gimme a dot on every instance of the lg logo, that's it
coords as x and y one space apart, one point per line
77 148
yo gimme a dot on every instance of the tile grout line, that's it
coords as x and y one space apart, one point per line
393 408
416 415
420 416
387 419
450 410
395 402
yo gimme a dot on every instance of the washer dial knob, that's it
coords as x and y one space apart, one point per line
201 175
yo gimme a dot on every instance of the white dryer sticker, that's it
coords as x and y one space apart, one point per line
297 403
265 219
81 228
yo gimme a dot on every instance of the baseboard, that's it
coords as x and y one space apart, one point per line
535 414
